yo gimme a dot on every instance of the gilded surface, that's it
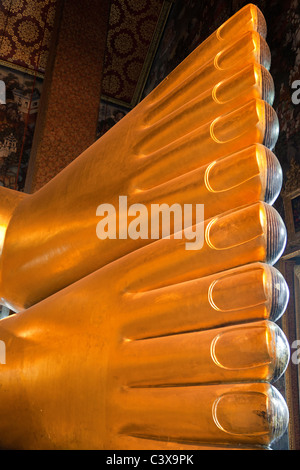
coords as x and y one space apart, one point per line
133 33
25 31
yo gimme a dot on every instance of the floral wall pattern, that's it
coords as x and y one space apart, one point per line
109 115
134 31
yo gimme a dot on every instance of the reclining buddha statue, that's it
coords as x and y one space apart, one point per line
123 340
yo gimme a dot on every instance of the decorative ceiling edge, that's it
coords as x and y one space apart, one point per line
19 68
159 29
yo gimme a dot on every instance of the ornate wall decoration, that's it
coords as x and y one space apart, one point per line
190 22
25 33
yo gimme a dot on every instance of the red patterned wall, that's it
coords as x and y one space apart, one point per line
67 121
